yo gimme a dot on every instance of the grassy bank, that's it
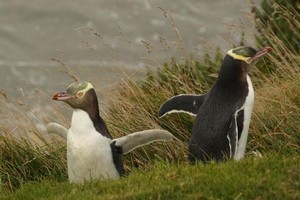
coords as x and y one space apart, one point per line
272 177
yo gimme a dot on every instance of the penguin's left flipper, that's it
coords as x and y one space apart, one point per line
187 103
55 128
233 136
134 140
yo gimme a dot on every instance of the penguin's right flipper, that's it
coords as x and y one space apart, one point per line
132 141
187 103
55 128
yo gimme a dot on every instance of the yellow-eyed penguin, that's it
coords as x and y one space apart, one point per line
92 154
223 114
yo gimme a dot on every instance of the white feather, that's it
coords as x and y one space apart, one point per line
89 153
177 111
229 142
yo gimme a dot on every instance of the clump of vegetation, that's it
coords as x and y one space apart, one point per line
22 161
280 18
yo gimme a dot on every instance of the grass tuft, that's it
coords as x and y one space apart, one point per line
22 161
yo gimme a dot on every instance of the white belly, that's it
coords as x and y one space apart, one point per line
248 107
89 153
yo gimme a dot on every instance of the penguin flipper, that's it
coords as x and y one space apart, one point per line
187 103
117 158
232 136
55 128
142 138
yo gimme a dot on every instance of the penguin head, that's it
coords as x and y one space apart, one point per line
247 54
236 63
79 95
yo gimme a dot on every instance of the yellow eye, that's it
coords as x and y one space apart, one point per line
79 94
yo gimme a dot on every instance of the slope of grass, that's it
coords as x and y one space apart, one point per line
271 177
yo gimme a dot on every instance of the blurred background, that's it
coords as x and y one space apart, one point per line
43 41
37 36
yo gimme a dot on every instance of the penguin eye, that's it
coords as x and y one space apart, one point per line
79 94
248 60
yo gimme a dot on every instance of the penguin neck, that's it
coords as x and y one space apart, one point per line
92 109
233 72
81 122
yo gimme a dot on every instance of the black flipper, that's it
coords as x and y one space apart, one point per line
240 122
187 103
233 136
117 158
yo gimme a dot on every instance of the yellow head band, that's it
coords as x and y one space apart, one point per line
82 92
239 57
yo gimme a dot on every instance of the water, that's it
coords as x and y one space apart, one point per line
40 38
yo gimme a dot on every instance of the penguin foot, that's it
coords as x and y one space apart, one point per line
257 153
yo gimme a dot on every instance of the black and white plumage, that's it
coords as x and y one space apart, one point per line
92 153
223 114
186 103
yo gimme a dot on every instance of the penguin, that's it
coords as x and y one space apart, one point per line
220 129
92 153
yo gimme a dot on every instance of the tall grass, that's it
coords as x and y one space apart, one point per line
26 154
22 161
134 104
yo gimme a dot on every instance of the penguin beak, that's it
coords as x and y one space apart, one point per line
61 96
260 53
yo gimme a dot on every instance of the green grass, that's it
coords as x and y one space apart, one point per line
272 177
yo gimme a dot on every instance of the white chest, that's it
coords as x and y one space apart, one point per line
88 152
248 107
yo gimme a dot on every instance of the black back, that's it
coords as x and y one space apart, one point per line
209 135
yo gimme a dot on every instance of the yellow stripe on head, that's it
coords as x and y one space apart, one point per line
79 88
82 92
237 56
87 87
243 53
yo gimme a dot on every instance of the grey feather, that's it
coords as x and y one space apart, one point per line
138 139
55 128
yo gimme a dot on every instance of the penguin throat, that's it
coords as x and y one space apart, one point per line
81 122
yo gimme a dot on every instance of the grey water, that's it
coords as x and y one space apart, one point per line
95 39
